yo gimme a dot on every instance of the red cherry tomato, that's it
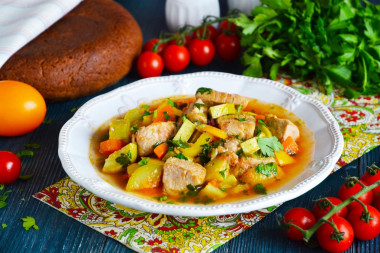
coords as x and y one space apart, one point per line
298 216
363 230
149 45
210 33
10 166
201 51
350 188
227 47
176 58
321 207
326 234
372 176
181 41
149 64
376 199
227 27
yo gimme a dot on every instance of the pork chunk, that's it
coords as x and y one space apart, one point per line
246 163
178 173
282 128
213 97
147 136
241 125
198 113
230 147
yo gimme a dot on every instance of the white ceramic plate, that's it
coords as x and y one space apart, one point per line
74 138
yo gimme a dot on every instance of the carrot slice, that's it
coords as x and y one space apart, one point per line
259 116
160 150
290 146
110 146
165 113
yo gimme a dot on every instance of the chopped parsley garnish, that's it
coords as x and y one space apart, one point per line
145 106
179 144
239 108
74 109
268 169
181 156
46 121
134 128
223 173
204 155
170 102
198 105
241 119
268 145
155 113
166 115
162 198
223 189
260 189
25 153
123 160
29 222
240 153
4 226
3 198
261 122
32 145
184 118
144 161
218 143
182 106
156 144
145 113
204 90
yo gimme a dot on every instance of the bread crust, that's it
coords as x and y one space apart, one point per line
89 49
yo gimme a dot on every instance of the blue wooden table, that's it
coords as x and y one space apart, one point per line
59 233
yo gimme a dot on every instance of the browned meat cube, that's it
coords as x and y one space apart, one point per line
246 163
198 112
238 125
216 97
147 136
229 148
282 128
179 173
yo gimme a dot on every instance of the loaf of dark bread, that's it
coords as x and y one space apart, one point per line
90 48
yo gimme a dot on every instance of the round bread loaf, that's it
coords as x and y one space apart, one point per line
90 48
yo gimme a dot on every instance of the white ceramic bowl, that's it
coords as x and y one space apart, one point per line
74 138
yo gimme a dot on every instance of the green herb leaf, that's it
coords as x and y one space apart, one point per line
198 105
260 189
269 169
145 113
74 109
4 226
166 115
46 121
161 198
203 90
144 161
123 160
269 145
181 156
134 128
239 109
241 119
178 143
170 102
25 153
29 222
223 173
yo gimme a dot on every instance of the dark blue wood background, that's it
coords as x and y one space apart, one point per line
59 233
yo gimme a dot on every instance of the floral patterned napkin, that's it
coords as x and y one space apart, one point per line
359 122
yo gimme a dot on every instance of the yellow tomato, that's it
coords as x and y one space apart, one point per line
22 108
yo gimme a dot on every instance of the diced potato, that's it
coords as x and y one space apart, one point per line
177 112
196 148
250 146
223 109
239 188
155 161
252 177
213 130
119 129
129 152
217 168
147 120
212 192
132 168
230 181
134 115
264 130
283 158
147 176
185 131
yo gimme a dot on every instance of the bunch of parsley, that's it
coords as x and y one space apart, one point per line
335 41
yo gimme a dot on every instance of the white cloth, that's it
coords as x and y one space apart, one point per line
23 20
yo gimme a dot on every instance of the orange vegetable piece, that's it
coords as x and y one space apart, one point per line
110 146
214 182
290 146
165 113
259 116
160 150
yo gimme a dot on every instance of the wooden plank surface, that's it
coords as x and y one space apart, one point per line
59 233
